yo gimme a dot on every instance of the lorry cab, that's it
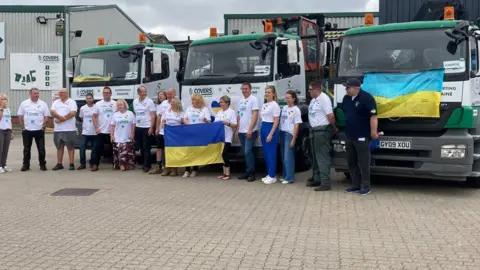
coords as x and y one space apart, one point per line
123 68
217 66
444 147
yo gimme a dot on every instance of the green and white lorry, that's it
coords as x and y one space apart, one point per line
447 147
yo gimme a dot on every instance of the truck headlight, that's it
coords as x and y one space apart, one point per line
339 146
453 151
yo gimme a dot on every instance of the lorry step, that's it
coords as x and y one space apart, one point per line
476 156
475 174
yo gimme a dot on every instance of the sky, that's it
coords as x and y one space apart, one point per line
180 19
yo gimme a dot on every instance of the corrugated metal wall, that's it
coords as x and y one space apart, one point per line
255 25
108 23
392 11
24 35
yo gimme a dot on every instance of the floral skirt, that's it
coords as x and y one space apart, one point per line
124 154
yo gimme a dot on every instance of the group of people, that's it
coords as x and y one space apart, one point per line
112 120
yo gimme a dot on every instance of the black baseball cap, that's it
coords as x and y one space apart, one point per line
353 83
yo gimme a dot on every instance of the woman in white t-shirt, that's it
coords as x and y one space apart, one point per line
229 119
172 117
6 134
161 108
270 115
290 121
122 133
196 114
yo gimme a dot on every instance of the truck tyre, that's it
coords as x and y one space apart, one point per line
473 182
303 159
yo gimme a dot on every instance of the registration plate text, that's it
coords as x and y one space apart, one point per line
395 144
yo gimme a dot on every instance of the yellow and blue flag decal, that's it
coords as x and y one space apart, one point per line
194 145
406 95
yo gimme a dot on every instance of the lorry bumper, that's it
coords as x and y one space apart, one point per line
419 157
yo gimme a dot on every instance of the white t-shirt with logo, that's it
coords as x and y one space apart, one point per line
269 111
230 116
171 119
104 111
86 113
161 109
34 114
289 118
123 126
196 116
6 122
318 110
62 109
245 108
142 112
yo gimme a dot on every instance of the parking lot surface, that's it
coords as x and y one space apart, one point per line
141 221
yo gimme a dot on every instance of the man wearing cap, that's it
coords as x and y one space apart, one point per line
322 128
361 124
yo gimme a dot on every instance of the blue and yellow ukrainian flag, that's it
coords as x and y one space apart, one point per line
194 145
406 95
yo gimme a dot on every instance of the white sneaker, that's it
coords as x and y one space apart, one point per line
285 182
270 180
265 178
2 170
185 175
6 169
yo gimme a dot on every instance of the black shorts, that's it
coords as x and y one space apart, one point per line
160 142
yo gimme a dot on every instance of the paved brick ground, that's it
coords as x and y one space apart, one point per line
137 221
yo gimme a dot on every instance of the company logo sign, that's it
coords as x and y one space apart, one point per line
205 91
48 58
84 92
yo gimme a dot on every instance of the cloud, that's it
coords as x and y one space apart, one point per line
179 19
372 5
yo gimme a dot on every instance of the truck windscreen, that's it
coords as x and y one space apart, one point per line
227 62
104 66
406 51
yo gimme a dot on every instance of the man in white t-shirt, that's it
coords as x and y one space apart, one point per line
33 116
102 116
247 111
89 135
322 128
64 110
144 109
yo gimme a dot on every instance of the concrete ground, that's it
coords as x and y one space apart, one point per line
139 221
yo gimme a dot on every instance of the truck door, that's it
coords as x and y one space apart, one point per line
156 81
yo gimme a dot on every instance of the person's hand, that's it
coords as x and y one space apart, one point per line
97 130
157 132
225 122
237 139
150 131
205 120
11 136
374 135
292 143
57 121
111 138
335 130
249 134
131 137
269 138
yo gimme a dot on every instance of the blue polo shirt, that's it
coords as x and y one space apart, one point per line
357 115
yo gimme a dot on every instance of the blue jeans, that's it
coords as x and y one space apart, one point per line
83 149
288 156
270 148
247 146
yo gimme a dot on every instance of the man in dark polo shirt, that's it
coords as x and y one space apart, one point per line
360 128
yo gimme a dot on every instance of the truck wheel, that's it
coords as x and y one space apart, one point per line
473 182
303 160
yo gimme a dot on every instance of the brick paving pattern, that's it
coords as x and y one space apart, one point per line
139 221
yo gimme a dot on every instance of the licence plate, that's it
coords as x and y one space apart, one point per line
395 144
